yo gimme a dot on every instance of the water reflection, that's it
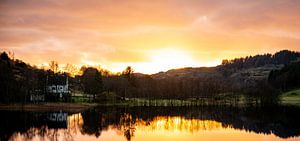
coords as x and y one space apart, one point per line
175 124
146 123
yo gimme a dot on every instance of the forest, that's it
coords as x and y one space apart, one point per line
260 78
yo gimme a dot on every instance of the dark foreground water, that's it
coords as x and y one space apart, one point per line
154 124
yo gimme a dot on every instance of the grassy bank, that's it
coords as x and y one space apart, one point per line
288 98
291 97
167 102
228 101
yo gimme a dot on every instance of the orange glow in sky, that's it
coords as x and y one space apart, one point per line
150 36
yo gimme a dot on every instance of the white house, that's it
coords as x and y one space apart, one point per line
58 88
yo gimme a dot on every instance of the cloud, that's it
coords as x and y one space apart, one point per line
110 31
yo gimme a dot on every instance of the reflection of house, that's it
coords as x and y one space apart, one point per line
58 85
57 120
58 117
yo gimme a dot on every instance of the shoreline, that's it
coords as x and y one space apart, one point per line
49 106
79 107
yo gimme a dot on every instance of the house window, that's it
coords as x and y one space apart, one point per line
60 88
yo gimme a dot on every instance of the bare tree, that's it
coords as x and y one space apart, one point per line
53 66
71 69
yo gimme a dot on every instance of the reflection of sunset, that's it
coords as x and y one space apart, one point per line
178 128
162 128
173 124
75 122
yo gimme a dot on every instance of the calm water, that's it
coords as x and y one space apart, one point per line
154 123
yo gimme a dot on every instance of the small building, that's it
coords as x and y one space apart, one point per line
36 96
57 86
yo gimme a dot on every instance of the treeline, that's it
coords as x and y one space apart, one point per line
146 86
287 78
283 57
19 80
232 79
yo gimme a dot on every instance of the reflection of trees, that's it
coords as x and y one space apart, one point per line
129 133
97 120
44 133
68 136
92 124
281 121
127 125
31 125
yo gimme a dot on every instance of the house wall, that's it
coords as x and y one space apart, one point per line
58 89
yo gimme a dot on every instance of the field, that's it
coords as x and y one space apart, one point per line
291 97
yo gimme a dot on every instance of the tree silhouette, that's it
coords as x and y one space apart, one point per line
92 81
53 66
4 56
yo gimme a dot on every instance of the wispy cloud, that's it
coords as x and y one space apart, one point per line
113 31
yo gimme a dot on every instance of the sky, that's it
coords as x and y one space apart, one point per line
149 35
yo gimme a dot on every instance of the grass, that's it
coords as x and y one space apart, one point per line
111 99
171 102
291 97
80 99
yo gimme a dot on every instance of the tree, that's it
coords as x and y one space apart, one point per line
92 81
7 81
225 62
53 66
127 71
128 80
4 56
287 78
71 69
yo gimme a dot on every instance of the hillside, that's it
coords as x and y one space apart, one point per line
188 73
241 76
246 68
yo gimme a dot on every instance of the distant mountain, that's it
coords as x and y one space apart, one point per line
256 67
188 73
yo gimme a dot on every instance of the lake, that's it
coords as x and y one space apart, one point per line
154 123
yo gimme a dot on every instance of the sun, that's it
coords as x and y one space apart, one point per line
165 59
158 60
171 58
162 59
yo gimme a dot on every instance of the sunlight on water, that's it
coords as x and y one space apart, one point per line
162 128
177 124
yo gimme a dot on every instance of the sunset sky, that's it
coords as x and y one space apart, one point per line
149 35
